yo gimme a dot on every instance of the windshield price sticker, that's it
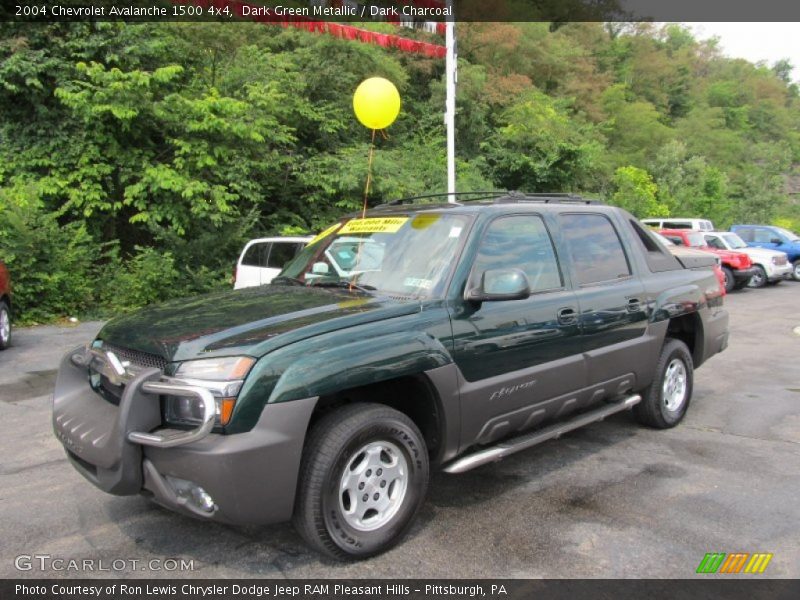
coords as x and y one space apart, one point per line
324 234
377 225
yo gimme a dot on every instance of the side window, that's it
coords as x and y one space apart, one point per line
677 225
595 248
281 254
256 255
745 233
715 242
763 236
520 242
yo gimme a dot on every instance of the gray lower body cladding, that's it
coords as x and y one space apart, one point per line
252 476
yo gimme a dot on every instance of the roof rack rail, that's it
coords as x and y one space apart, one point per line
411 199
544 197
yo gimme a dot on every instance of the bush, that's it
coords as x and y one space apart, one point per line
52 266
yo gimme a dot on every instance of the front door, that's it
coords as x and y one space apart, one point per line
517 357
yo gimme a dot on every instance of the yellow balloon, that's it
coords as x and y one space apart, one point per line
376 103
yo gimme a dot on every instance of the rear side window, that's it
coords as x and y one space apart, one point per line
256 255
745 233
521 242
595 248
282 253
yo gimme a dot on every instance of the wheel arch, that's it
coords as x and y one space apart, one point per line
414 395
688 328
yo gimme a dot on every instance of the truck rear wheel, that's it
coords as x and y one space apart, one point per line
363 478
665 401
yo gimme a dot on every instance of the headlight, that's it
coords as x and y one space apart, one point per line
223 377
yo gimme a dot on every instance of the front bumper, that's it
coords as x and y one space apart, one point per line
779 272
250 476
743 274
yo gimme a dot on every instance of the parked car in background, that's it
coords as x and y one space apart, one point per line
736 266
679 223
263 258
774 238
5 307
686 255
770 266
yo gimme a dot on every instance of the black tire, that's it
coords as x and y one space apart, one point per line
332 448
729 281
5 318
653 410
796 272
759 278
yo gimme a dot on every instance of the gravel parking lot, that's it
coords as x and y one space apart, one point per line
611 500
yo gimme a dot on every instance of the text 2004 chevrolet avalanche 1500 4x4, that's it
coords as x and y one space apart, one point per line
457 335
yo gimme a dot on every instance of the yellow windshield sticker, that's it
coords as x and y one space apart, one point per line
324 234
375 225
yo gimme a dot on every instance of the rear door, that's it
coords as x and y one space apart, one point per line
611 300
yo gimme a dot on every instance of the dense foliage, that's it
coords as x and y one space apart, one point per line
136 159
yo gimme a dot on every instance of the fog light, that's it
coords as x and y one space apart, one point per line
202 499
191 494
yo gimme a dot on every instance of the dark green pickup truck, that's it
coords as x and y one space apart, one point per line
418 335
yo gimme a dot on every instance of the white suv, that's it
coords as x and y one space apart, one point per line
679 223
771 266
263 258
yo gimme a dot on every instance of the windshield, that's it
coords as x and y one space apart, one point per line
793 237
695 239
734 241
407 256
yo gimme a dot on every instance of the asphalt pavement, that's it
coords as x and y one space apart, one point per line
611 500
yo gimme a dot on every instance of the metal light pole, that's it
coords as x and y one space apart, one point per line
450 102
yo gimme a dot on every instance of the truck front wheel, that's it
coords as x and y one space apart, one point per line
363 478
665 401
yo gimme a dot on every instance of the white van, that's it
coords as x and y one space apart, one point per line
263 258
678 223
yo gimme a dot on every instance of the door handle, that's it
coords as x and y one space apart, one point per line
634 305
567 316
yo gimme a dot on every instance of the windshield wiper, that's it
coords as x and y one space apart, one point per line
343 283
289 280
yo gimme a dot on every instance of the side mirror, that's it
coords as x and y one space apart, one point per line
320 268
777 241
500 284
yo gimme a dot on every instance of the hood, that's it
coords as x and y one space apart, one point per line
238 321
729 255
763 253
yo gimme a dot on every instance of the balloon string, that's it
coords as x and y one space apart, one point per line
369 174
366 193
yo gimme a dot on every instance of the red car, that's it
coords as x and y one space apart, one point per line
736 266
5 307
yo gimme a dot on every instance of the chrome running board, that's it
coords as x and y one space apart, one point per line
523 442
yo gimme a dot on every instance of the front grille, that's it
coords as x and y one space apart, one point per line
136 357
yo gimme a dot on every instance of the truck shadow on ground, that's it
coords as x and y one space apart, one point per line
278 551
